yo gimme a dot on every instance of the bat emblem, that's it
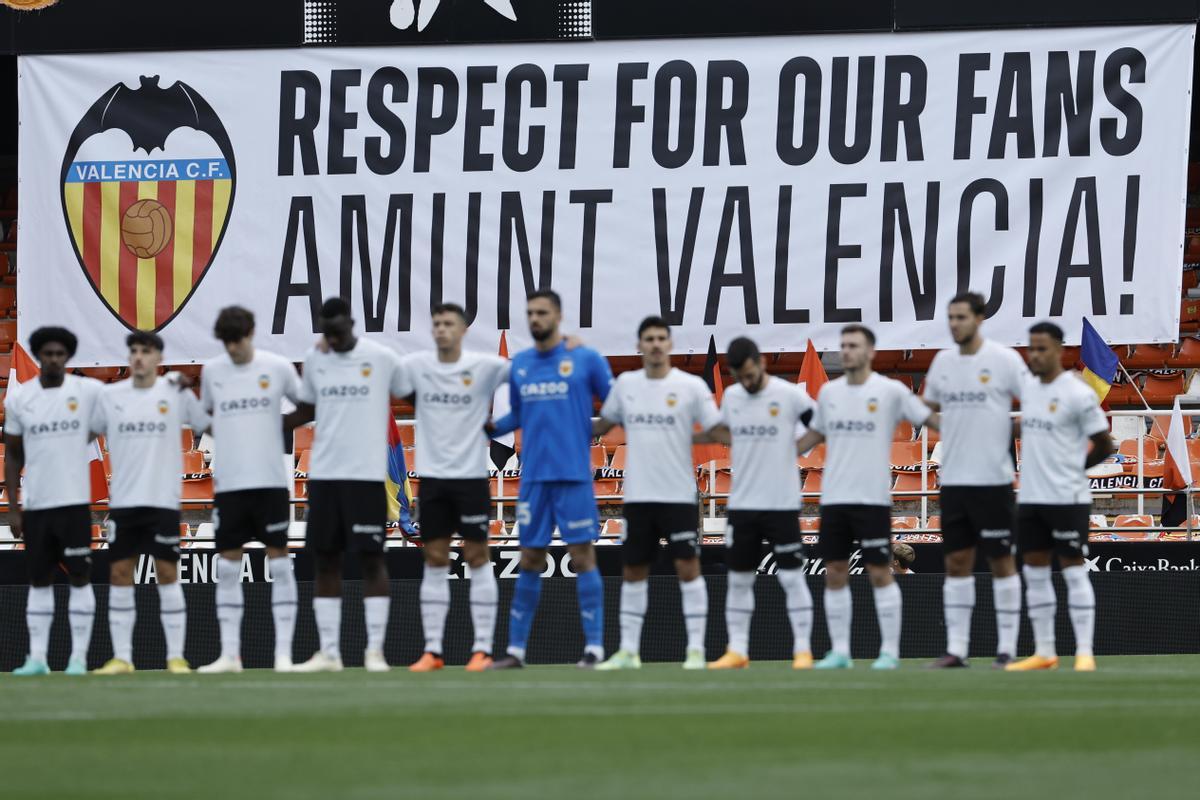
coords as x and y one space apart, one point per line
147 182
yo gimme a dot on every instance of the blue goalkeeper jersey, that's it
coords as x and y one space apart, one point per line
551 395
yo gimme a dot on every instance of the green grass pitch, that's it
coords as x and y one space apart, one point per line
1127 731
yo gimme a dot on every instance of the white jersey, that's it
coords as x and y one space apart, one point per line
55 427
659 415
454 402
763 428
1057 420
245 401
975 394
352 393
143 430
858 423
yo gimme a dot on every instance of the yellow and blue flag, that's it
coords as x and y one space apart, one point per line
1100 363
399 490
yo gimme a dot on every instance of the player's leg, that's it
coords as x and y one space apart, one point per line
273 521
683 544
743 551
1036 542
994 517
958 591
325 540
77 559
874 527
784 532
1070 544
122 611
438 522
574 504
474 502
164 547
535 526
41 551
232 519
638 551
485 600
835 543
365 506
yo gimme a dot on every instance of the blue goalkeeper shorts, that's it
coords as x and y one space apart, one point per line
571 505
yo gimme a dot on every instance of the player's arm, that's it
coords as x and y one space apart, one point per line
612 414
601 426
718 434
934 421
600 376
808 441
196 417
14 462
512 420
1102 448
306 399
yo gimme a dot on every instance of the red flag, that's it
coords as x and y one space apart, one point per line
25 369
812 373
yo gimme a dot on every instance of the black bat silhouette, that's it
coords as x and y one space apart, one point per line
148 115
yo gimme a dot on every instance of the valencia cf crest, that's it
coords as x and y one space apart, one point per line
163 407
873 405
72 404
366 369
147 189
773 409
467 378
672 400
264 381
566 367
985 375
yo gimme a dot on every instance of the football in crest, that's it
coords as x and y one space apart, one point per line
146 228
566 367
264 381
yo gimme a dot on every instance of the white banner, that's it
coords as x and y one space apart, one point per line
778 187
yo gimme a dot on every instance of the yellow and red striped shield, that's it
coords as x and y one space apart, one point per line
146 230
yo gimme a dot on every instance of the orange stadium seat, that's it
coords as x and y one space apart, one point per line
1188 354
916 361
302 438
905 454
496 528
614 438
1147 356
704 453
5 366
8 335
1162 389
1129 447
1131 526
934 523
187 441
1189 314
1158 429
813 459
8 301
903 432
812 484
905 523
1123 394
606 490
618 458
408 435
911 482
193 462
599 456
719 483
98 536
810 524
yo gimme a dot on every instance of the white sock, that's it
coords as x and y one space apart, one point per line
739 608
39 616
122 613
958 601
328 611
377 619
1081 601
1007 595
485 599
888 603
837 617
435 604
635 596
1043 606
799 607
283 604
82 613
695 611
173 612
230 606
